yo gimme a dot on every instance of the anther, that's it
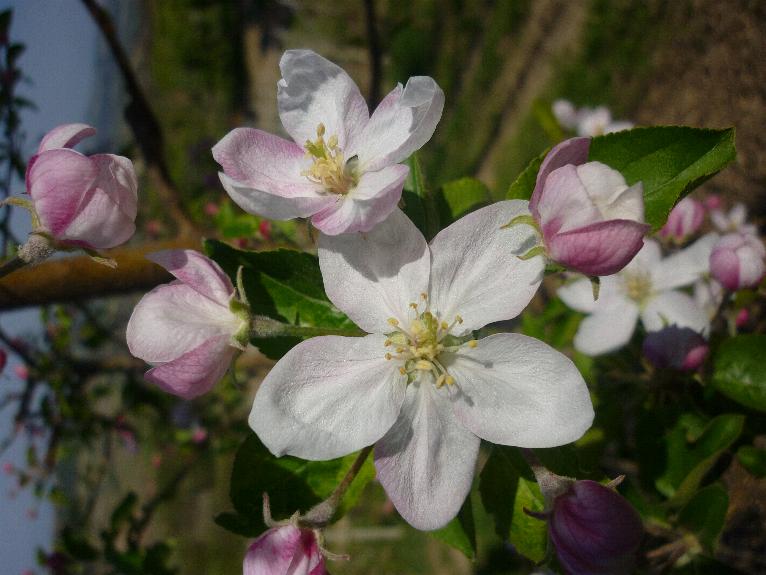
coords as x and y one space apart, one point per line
473 343
458 319
402 371
393 321
413 305
449 380
424 295
320 130
444 325
387 342
389 356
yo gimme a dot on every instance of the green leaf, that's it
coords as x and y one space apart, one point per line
670 161
460 197
124 511
753 459
524 185
282 284
460 533
507 488
740 370
688 461
705 514
291 483
77 545
418 202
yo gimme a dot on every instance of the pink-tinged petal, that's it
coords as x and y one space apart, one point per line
58 181
107 212
674 308
476 271
327 397
403 122
684 220
608 328
196 371
572 151
515 390
565 114
256 159
565 204
598 249
273 206
610 193
369 203
737 261
685 267
198 272
174 319
285 550
66 136
315 91
375 276
426 461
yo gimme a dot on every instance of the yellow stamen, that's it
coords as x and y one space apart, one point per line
473 343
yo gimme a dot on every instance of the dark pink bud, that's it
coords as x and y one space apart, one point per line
737 261
8 468
712 202
265 229
285 550
58 563
684 220
211 209
594 530
153 228
3 359
675 347
21 371
743 317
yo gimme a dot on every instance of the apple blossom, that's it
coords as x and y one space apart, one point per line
82 201
285 550
679 348
594 530
343 168
590 220
565 113
646 287
189 329
737 261
734 221
598 121
684 220
418 386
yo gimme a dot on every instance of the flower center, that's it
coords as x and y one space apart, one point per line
329 169
419 345
637 285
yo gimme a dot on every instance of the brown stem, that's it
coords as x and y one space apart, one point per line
11 266
80 278
143 122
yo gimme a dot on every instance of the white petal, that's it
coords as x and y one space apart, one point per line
426 461
401 124
327 397
674 308
374 276
272 206
645 260
475 269
315 91
608 329
515 390
578 295
685 267
173 319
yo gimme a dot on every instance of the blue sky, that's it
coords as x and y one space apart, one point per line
60 41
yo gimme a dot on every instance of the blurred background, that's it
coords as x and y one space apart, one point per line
98 464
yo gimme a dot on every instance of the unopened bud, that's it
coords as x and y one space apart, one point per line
674 347
285 549
737 261
684 220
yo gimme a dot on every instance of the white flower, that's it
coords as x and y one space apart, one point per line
646 287
418 386
343 168
734 221
598 121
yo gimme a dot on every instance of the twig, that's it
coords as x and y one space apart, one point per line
143 122
373 47
11 266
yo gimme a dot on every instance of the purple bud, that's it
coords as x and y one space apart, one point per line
285 550
737 261
595 530
675 347
684 220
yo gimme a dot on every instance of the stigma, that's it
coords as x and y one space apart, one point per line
419 345
329 168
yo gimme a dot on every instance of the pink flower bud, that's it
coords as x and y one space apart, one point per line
85 201
265 229
21 371
737 261
153 228
684 220
712 202
674 347
591 221
3 359
594 530
743 318
199 435
285 550
211 209
186 329
8 468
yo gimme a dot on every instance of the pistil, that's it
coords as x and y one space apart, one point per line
329 168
